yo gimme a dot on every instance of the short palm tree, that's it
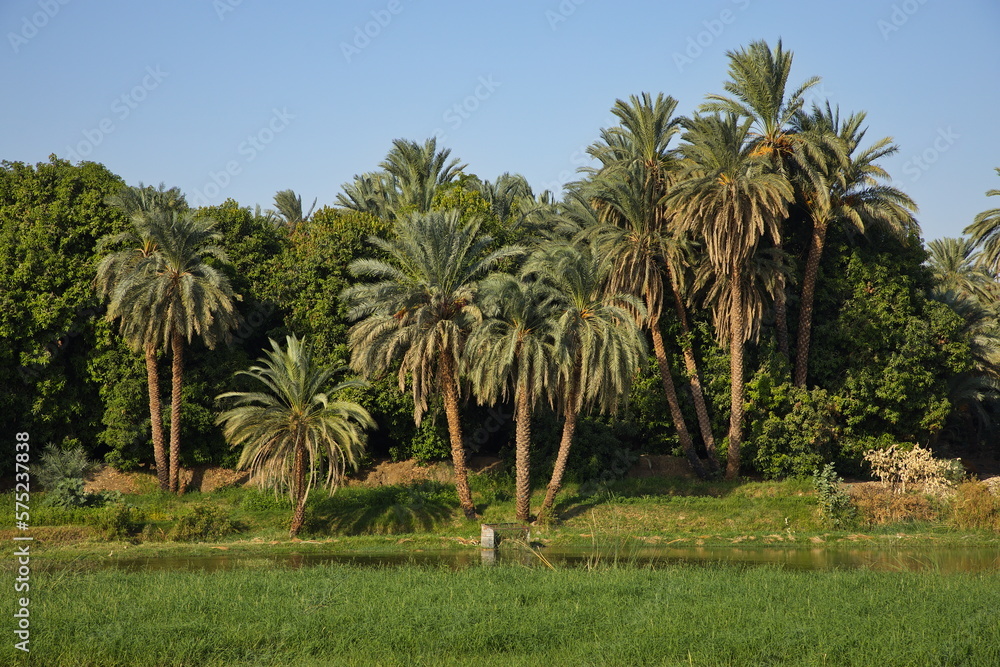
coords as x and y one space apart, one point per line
598 347
293 428
419 311
171 296
845 187
731 197
510 356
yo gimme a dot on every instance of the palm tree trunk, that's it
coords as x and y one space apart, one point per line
675 407
736 383
449 388
177 371
781 320
522 446
691 365
781 313
156 418
808 298
569 427
299 472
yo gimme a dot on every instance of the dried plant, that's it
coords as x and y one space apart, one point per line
897 467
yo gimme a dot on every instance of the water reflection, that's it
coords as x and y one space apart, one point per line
928 559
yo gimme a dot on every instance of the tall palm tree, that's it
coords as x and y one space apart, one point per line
288 206
758 79
293 428
985 234
846 187
173 295
731 197
510 355
420 310
139 243
598 347
642 237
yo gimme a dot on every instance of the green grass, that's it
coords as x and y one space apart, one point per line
508 615
643 512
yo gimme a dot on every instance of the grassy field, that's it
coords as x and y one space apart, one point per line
341 615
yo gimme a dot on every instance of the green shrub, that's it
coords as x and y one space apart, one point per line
68 493
203 522
119 521
256 500
56 465
836 507
493 487
383 510
799 436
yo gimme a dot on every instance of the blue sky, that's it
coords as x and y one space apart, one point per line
241 98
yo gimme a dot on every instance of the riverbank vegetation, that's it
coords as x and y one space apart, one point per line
743 287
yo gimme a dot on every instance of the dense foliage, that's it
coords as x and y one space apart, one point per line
902 344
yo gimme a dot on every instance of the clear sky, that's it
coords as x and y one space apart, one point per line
242 98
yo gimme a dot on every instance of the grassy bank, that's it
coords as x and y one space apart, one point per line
512 615
622 514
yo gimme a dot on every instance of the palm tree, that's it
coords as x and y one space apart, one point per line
510 355
139 244
844 188
640 236
985 233
171 296
373 193
758 78
597 344
956 268
731 197
508 196
420 311
417 172
294 426
132 199
289 208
